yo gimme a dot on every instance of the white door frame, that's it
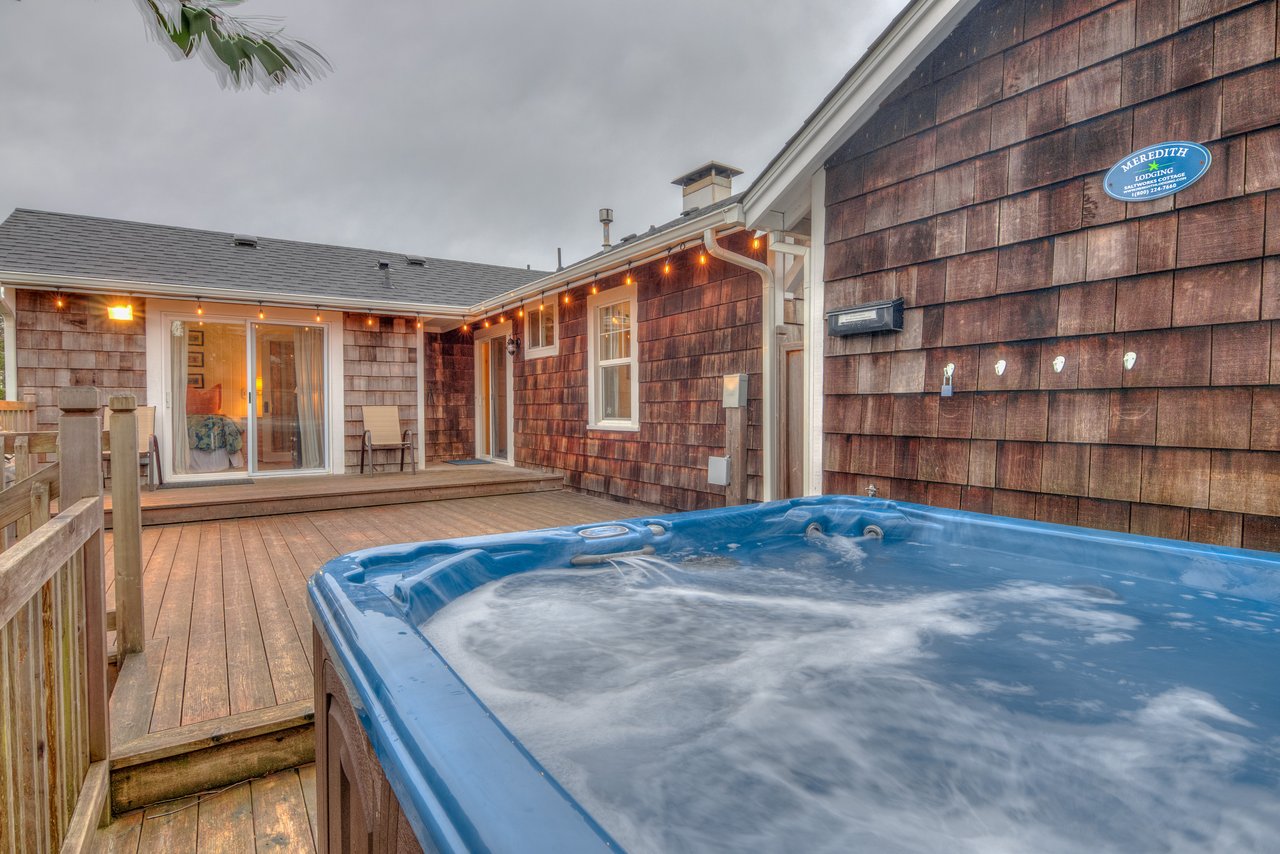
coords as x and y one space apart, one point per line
500 331
160 313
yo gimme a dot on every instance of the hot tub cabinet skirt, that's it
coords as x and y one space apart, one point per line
359 813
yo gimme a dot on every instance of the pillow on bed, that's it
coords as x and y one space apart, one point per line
207 401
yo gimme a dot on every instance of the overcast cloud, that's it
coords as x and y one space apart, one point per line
488 131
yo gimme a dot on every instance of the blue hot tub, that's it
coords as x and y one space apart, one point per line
819 674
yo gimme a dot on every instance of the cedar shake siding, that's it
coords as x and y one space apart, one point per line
975 193
695 324
77 345
449 393
380 366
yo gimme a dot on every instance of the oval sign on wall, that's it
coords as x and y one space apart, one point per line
1157 171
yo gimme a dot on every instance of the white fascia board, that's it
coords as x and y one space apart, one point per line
78 284
617 258
784 185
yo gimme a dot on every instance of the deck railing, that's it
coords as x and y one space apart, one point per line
54 728
17 416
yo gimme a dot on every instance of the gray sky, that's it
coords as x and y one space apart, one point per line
487 131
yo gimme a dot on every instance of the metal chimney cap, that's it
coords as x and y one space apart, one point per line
706 170
606 214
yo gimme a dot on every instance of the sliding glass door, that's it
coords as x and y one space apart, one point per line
246 397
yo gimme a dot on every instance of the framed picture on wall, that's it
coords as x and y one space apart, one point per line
195 337
195 380
195 358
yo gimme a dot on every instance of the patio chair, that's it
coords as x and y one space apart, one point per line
148 445
382 433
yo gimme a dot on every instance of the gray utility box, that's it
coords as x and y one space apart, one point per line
882 316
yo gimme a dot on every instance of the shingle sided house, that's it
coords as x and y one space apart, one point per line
1111 364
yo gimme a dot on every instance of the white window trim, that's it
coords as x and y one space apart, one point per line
594 303
552 349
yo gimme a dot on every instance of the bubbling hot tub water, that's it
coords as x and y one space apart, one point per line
866 696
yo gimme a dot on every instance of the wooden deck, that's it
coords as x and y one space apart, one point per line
276 495
274 813
228 656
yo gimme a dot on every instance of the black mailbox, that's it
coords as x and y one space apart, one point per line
882 316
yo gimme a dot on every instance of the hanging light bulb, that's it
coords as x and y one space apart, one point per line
199 309
419 321
466 328
58 302
520 311
317 314
486 323
702 258
502 314
368 321
262 315
628 280
666 265
566 297
755 243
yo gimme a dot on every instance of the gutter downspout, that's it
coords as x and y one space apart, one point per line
768 354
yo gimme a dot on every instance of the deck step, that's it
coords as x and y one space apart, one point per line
276 496
200 757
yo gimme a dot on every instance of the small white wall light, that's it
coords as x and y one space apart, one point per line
1000 366
1130 359
947 373
1059 362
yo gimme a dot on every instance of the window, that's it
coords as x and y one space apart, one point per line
614 383
540 329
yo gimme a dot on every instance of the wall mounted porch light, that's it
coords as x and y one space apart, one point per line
1130 359
1000 366
120 312
1059 362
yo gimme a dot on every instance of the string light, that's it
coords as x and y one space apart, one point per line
419 321
317 314
199 309
628 280
520 311
702 258
486 323
566 297
262 315
58 302
755 243
466 328
666 265
368 321
594 288
502 314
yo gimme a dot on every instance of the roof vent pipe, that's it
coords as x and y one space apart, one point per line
606 217
245 240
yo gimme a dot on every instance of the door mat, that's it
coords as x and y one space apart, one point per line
471 462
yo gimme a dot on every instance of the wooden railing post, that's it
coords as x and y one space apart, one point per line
126 523
80 467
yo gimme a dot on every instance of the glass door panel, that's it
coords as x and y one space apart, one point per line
289 404
498 420
208 397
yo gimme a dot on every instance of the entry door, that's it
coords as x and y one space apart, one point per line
494 428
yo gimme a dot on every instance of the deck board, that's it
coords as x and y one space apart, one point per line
225 600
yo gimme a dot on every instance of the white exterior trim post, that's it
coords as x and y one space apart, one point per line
815 335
